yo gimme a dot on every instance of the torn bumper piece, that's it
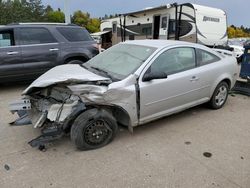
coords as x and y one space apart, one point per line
47 136
21 107
53 119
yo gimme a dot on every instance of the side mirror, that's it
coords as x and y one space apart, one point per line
152 76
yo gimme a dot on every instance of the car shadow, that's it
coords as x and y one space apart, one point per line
148 128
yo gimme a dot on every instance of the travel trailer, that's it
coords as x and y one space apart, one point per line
186 22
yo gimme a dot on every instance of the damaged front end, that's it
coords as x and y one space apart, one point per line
51 109
53 101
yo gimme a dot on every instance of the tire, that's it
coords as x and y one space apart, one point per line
93 129
220 96
75 62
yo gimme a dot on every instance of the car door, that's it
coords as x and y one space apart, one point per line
40 50
10 55
180 90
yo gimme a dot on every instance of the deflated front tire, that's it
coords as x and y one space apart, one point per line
93 129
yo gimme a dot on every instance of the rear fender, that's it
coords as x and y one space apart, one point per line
222 77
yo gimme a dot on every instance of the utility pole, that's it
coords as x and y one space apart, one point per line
66 12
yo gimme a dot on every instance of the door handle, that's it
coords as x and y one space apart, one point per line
53 49
12 53
194 78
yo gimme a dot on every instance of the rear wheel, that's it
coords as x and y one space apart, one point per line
93 129
220 95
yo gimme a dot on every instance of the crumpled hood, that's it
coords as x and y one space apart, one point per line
64 73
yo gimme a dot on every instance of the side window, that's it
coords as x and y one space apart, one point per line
35 36
114 27
7 38
204 57
174 61
75 34
164 22
171 27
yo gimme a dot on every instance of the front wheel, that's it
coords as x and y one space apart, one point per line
220 95
93 129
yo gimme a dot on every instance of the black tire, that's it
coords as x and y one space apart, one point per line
93 129
220 96
75 62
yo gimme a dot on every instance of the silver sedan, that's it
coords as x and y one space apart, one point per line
131 83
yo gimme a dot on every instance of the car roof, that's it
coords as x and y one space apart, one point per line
48 25
160 43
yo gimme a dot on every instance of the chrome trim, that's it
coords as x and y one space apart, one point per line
43 44
12 53
53 49
42 23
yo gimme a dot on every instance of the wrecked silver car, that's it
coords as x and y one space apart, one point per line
131 84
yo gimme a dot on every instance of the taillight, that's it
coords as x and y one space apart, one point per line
95 46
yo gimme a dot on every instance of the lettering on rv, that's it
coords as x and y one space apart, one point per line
210 19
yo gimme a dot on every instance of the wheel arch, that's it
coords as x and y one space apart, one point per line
118 112
226 78
82 58
121 115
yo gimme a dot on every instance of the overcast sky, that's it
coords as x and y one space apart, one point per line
237 10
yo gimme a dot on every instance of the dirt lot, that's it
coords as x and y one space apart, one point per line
166 153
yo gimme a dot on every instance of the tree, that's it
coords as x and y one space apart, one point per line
56 16
80 18
37 10
21 11
83 19
93 25
48 9
231 32
235 32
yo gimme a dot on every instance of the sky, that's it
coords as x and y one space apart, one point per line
237 10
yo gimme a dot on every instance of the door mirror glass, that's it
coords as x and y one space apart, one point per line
154 75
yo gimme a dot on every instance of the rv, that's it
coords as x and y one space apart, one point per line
186 22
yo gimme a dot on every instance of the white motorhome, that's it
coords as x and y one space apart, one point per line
186 22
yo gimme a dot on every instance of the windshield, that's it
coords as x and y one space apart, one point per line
120 61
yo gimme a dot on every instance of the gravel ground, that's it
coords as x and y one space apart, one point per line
193 149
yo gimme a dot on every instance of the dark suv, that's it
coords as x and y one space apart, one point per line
28 50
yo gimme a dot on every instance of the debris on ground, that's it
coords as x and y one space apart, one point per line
188 143
207 154
7 167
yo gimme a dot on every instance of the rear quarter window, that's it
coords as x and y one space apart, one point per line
75 34
205 57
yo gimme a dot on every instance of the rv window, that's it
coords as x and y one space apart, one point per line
164 22
171 27
185 27
147 31
204 57
114 27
